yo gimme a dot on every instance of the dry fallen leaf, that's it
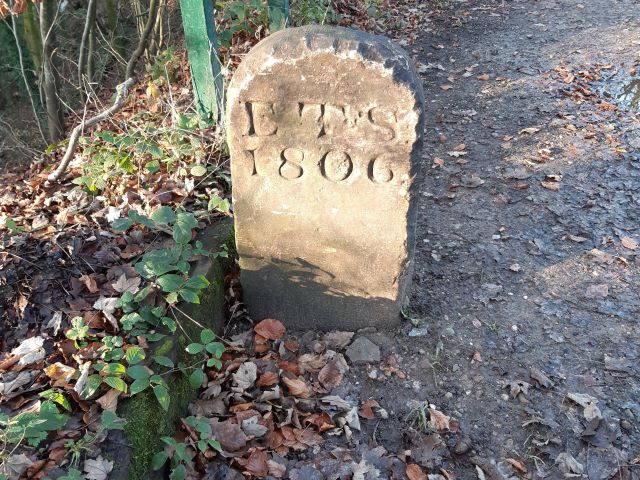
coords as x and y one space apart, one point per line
414 472
60 373
629 243
517 464
446 87
484 77
270 329
97 469
330 376
109 401
438 420
297 387
529 130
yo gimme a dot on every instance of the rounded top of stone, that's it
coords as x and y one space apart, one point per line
292 44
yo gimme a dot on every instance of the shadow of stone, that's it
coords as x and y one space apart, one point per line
288 291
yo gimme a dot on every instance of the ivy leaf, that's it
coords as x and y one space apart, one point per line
153 166
159 459
56 397
162 394
91 387
134 355
178 473
198 170
195 348
214 362
170 282
142 219
215 444
216 349
197 283
114 369
196 378
164 361
207 336
185 222
122 224
189 295
111 421
117 383
163 215
139 385
138 372
171 299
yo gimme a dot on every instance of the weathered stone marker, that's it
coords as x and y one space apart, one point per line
325 129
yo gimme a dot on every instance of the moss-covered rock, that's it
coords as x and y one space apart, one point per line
133 449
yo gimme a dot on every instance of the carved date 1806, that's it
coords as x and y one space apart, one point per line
291 139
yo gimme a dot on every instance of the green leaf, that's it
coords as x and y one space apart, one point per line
170 282
185 222
171 299
121 224
138 371
92 386
189 295
134 355
202 445
163 215
56 397
197 283
164 361
162 394
114 369
111 421
216 349
153 166
142 219
195 348
218 203
72 474
142 294
139 385
178 473
207 336
196 378
159 459
117 383
214 362
198 170
215 444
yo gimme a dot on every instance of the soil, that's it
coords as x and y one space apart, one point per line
527 267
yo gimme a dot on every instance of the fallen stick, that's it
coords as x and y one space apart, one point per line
75 134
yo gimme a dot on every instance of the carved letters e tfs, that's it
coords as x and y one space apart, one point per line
271 128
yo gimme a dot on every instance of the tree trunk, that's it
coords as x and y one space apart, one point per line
90 19
144 39
32 37
50 78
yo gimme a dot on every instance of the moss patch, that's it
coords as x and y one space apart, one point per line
147 422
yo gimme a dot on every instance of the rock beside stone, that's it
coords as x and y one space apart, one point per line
363 351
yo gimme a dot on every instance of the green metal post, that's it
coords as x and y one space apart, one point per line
202 49
278 14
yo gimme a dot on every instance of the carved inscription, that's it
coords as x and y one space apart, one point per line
313 124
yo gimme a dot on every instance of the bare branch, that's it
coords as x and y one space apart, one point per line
77 131
144 38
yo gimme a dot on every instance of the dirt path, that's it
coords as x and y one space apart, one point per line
526 298
507 277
